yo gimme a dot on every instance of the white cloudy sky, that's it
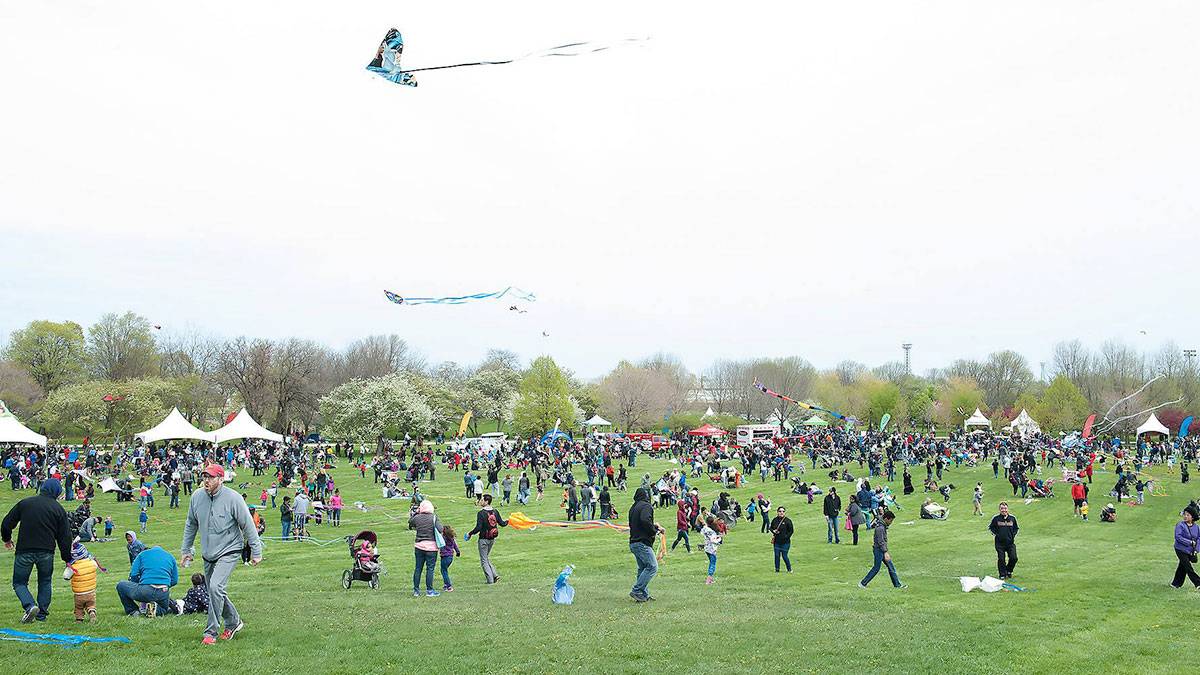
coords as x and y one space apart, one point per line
822 179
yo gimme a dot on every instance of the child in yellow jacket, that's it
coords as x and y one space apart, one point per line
82 575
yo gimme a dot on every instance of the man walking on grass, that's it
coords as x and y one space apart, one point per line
881 552
642 531
43 526
1004 528
223 520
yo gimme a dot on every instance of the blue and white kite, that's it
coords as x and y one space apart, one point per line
386 63
511 291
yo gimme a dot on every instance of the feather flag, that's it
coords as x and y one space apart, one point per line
1183 426
1087 427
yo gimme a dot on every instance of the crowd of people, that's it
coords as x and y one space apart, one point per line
589 472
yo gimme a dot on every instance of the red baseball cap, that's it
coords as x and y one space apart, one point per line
215 470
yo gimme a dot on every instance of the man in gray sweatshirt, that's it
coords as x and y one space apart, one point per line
223 520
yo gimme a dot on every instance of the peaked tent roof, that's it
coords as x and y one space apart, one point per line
978 420
708 413
814 421
244 426
12 431
597 421
174 427
1153 426
707 430
1025 424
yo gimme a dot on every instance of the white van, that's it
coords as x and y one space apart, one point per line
747 434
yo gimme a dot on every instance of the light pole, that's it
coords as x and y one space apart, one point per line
907 362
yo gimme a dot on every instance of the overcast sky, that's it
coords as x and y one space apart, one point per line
821 179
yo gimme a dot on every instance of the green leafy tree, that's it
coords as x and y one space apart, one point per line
1063 406
52 353
882 397
135 406
388 406
959 394
543 396
120 347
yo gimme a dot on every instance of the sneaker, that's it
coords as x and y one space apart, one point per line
861 585
178 606
30 612
431 593
151 610
416 594
650 598
42 614
447 589
638 598
209 640
902 586
230 632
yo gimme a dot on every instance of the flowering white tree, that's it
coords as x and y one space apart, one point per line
370 409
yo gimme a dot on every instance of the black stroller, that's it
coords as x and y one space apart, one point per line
365 569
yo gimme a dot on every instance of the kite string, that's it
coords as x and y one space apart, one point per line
540 53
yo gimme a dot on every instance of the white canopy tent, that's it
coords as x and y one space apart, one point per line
1025 425
978 419
1153 426
244 426
708 413
12 431
174 427
597 421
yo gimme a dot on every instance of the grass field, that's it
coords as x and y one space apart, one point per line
1100 599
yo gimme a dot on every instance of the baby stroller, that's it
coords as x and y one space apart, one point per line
363 570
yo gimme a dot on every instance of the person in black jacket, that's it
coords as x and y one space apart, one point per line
44 524
831 508
1004 528
642 531
781 537
487 525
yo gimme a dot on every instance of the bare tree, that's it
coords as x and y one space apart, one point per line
187 352
245 367
967 368
892 371
375 356
295 372
849 372
676 375
722 383
1005 375
634 395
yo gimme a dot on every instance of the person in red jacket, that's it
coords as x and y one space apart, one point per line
1077 495
683 523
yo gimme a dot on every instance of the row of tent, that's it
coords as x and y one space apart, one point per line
1025 424
174 427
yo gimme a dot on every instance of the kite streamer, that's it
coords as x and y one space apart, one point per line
520 521
1087 426
59 639
386 63
461 299
761 387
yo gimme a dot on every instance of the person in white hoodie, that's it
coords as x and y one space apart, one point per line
223 520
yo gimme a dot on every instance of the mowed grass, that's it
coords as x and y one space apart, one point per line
1099 598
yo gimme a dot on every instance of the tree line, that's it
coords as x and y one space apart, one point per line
122 374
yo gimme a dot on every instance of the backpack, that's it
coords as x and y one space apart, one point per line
491 531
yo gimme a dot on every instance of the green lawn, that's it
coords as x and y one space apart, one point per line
1100 600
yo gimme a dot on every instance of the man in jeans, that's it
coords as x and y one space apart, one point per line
831 508
642 531
44 524
151 577
881 552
